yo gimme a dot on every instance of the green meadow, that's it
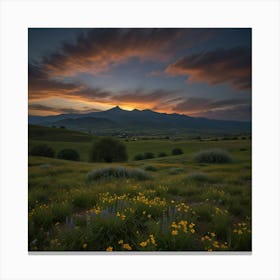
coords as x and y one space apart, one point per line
168 203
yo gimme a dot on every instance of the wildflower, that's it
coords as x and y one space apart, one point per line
174 232
120 241
144 244
84 245
149 216
109 249
212 234
152 238
144 212
127 246
192 231
202 239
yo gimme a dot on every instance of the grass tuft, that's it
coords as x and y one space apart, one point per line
117 172
213 156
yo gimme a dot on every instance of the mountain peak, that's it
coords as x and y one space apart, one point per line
115 109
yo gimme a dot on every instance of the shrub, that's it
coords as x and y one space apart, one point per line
149 155
117 172
197 177
213 156
68 154
43 151
177 151
138 157
108 150
162 154
150 168
175 170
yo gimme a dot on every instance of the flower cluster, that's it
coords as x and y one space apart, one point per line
211 243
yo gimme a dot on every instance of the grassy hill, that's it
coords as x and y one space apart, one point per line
43 133
180 205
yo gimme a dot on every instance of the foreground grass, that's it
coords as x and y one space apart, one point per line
181 206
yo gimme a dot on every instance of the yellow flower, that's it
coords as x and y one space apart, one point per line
174 232
144 212
239 231
109 249
191 225
202 238
192 230
118 214
212 234
127 246
143 244
120 241
149 216
84 245
152 238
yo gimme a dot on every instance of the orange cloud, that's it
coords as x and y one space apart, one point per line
99 49
231 66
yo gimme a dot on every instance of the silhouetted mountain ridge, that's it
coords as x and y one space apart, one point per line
119 120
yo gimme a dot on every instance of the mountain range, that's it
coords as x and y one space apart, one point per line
145 122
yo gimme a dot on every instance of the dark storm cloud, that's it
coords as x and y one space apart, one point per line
232 66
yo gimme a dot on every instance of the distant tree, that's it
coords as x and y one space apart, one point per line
108 150
149 155
68 154
63 127
162 154
42 150
177 151
138 157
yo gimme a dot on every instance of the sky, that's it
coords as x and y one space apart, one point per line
199 72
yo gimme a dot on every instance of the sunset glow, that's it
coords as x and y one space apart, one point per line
197 72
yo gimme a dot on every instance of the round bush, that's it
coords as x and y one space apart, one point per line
108 150
42 150
150 168
213 156
197 177
149 155
177 151
138 157
68 154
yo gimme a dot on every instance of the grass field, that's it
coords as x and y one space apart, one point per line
179 205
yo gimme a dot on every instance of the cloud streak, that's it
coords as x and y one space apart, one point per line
231 66
99 49
229 109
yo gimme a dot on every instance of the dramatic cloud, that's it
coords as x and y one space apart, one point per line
98 49
232 66
58 110
238 112
41 86
144 96
229 109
